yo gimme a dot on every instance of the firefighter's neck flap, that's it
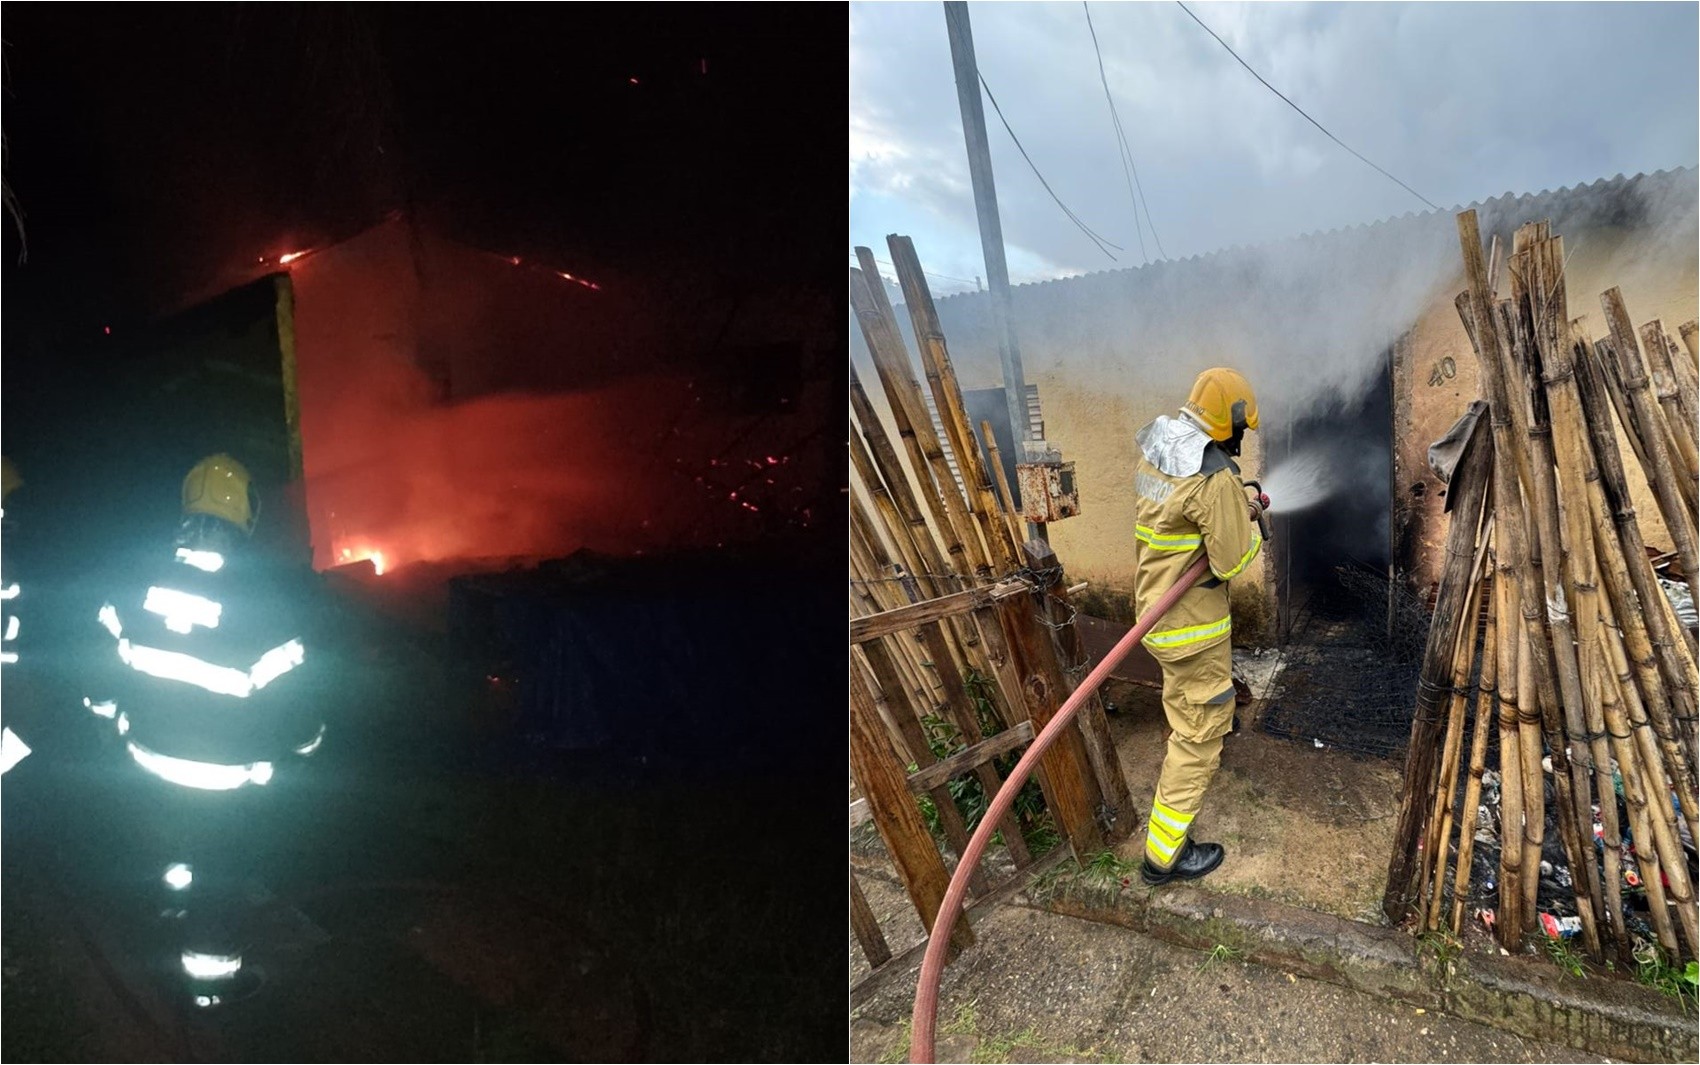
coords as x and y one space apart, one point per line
1174 445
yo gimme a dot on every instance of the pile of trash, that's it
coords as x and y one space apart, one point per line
1555 894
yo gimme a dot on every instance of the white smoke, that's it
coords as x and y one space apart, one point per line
1311 320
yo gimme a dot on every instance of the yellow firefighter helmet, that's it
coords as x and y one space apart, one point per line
9 479
1223 403
220 487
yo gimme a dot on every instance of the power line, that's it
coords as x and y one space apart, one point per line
1301 111
1126 150
929 273
1084 228
1103 245
1121 148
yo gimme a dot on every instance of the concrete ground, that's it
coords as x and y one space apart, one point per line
1273 799
1302 825
1041 987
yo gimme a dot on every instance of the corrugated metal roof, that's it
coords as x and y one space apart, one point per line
1552 201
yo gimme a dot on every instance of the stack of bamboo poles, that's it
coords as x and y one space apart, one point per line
1550 603
916 535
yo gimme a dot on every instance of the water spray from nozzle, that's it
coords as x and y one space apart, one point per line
1301 482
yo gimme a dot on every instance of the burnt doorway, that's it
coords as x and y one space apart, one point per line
1351 633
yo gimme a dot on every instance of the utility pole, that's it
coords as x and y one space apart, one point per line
991 230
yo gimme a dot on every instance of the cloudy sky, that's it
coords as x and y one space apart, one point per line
1461 101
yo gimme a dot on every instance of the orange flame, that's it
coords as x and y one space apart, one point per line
348 556
285 260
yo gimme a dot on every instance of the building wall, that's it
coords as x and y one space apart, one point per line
1305 319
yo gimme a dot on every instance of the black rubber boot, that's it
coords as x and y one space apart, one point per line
1196 860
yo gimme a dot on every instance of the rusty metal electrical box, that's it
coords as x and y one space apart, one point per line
1046 484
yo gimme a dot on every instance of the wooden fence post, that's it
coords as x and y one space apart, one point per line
877 772
1094 726
1070 786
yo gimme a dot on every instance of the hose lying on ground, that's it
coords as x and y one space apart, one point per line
925 1017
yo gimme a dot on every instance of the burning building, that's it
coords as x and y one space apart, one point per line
407 398
1358 355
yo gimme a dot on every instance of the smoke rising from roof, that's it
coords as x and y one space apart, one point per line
1312 319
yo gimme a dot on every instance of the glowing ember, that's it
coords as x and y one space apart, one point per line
291 257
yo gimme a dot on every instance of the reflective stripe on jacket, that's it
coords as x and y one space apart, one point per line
1174 518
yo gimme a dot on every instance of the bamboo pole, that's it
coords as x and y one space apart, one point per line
1661 472
1556 674
1512 769
1634 648
1486 704
1516 555
1605 360
1566 697
947 395
1469 494
915 428
1683 379
1628 739
1439 831
1663 821
1649 625
1531 723
1010 516
1487 324
1557 400
1607 691
1677 419
1691 340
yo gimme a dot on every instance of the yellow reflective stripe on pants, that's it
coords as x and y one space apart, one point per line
1245 560
1165 833
1190 634
1170 817
1162 854
1166 541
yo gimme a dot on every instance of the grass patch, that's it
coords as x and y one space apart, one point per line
1565 956
1108 867
900 1052
1219 955
1652 970
1444 946
967 1019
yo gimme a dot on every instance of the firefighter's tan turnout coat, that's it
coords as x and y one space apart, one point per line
1189 497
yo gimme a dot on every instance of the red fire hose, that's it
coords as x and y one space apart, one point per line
925 1017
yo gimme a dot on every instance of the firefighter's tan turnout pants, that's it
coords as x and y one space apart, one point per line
1198 700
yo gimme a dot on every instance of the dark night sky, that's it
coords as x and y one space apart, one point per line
150 144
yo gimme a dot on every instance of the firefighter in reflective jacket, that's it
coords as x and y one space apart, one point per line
1189 497
207 701
12 747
